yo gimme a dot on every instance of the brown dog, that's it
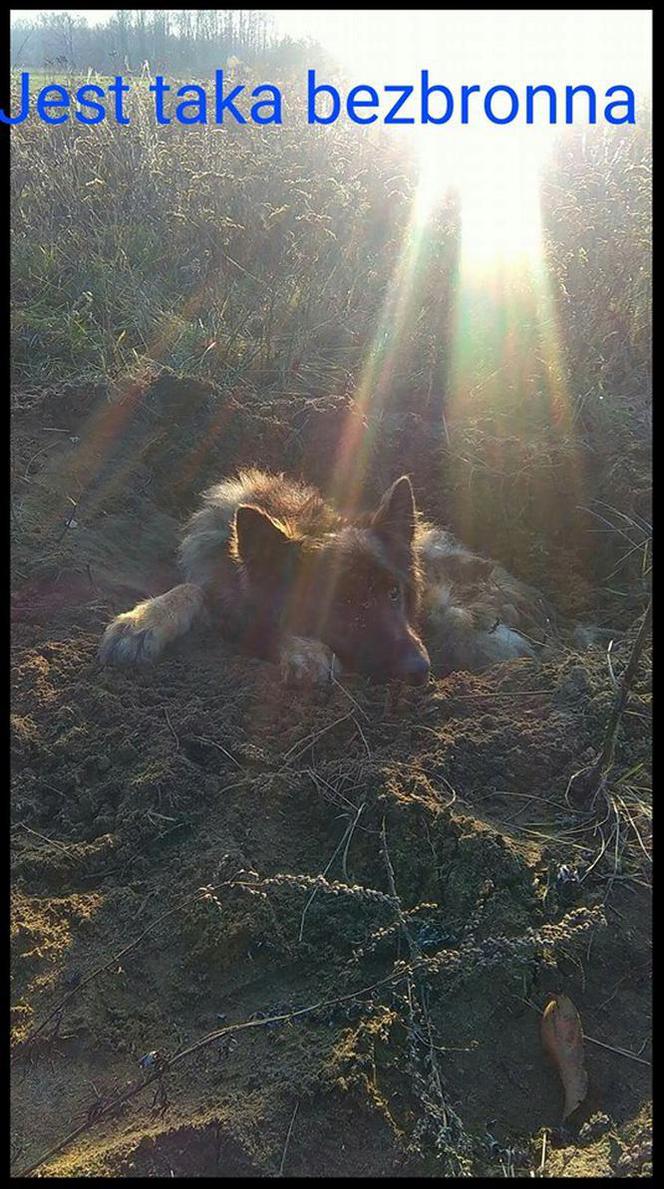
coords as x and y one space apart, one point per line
291 580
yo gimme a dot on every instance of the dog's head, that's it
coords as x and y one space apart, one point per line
356 588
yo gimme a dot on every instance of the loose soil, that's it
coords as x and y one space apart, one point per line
133 789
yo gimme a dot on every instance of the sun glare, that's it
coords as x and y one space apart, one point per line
499 190
497 181
494 169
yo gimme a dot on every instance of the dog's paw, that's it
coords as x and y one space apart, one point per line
128 641
503 643
307 662
140 635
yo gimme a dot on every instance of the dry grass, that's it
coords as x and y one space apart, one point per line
265 260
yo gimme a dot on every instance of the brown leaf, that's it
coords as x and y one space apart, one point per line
562 1037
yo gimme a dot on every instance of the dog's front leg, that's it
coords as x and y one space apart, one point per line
303 661
142 634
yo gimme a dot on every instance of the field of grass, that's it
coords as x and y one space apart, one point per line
268 261
186 301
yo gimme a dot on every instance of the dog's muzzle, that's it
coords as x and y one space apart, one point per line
414 668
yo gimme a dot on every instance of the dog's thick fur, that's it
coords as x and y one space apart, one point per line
289 579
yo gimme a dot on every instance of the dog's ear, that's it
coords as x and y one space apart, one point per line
261 543
395 519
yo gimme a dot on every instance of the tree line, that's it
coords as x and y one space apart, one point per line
131 40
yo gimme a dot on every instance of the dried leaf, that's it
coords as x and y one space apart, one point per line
562 1037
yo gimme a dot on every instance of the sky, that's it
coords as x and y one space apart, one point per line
556 46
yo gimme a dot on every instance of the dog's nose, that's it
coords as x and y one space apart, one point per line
414 669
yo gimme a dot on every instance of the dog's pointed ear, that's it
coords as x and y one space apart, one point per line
396 515
261 543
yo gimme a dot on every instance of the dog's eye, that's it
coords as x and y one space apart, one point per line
394 594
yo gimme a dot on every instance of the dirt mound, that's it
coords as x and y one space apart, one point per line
205 865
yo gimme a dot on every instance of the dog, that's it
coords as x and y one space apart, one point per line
289 579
